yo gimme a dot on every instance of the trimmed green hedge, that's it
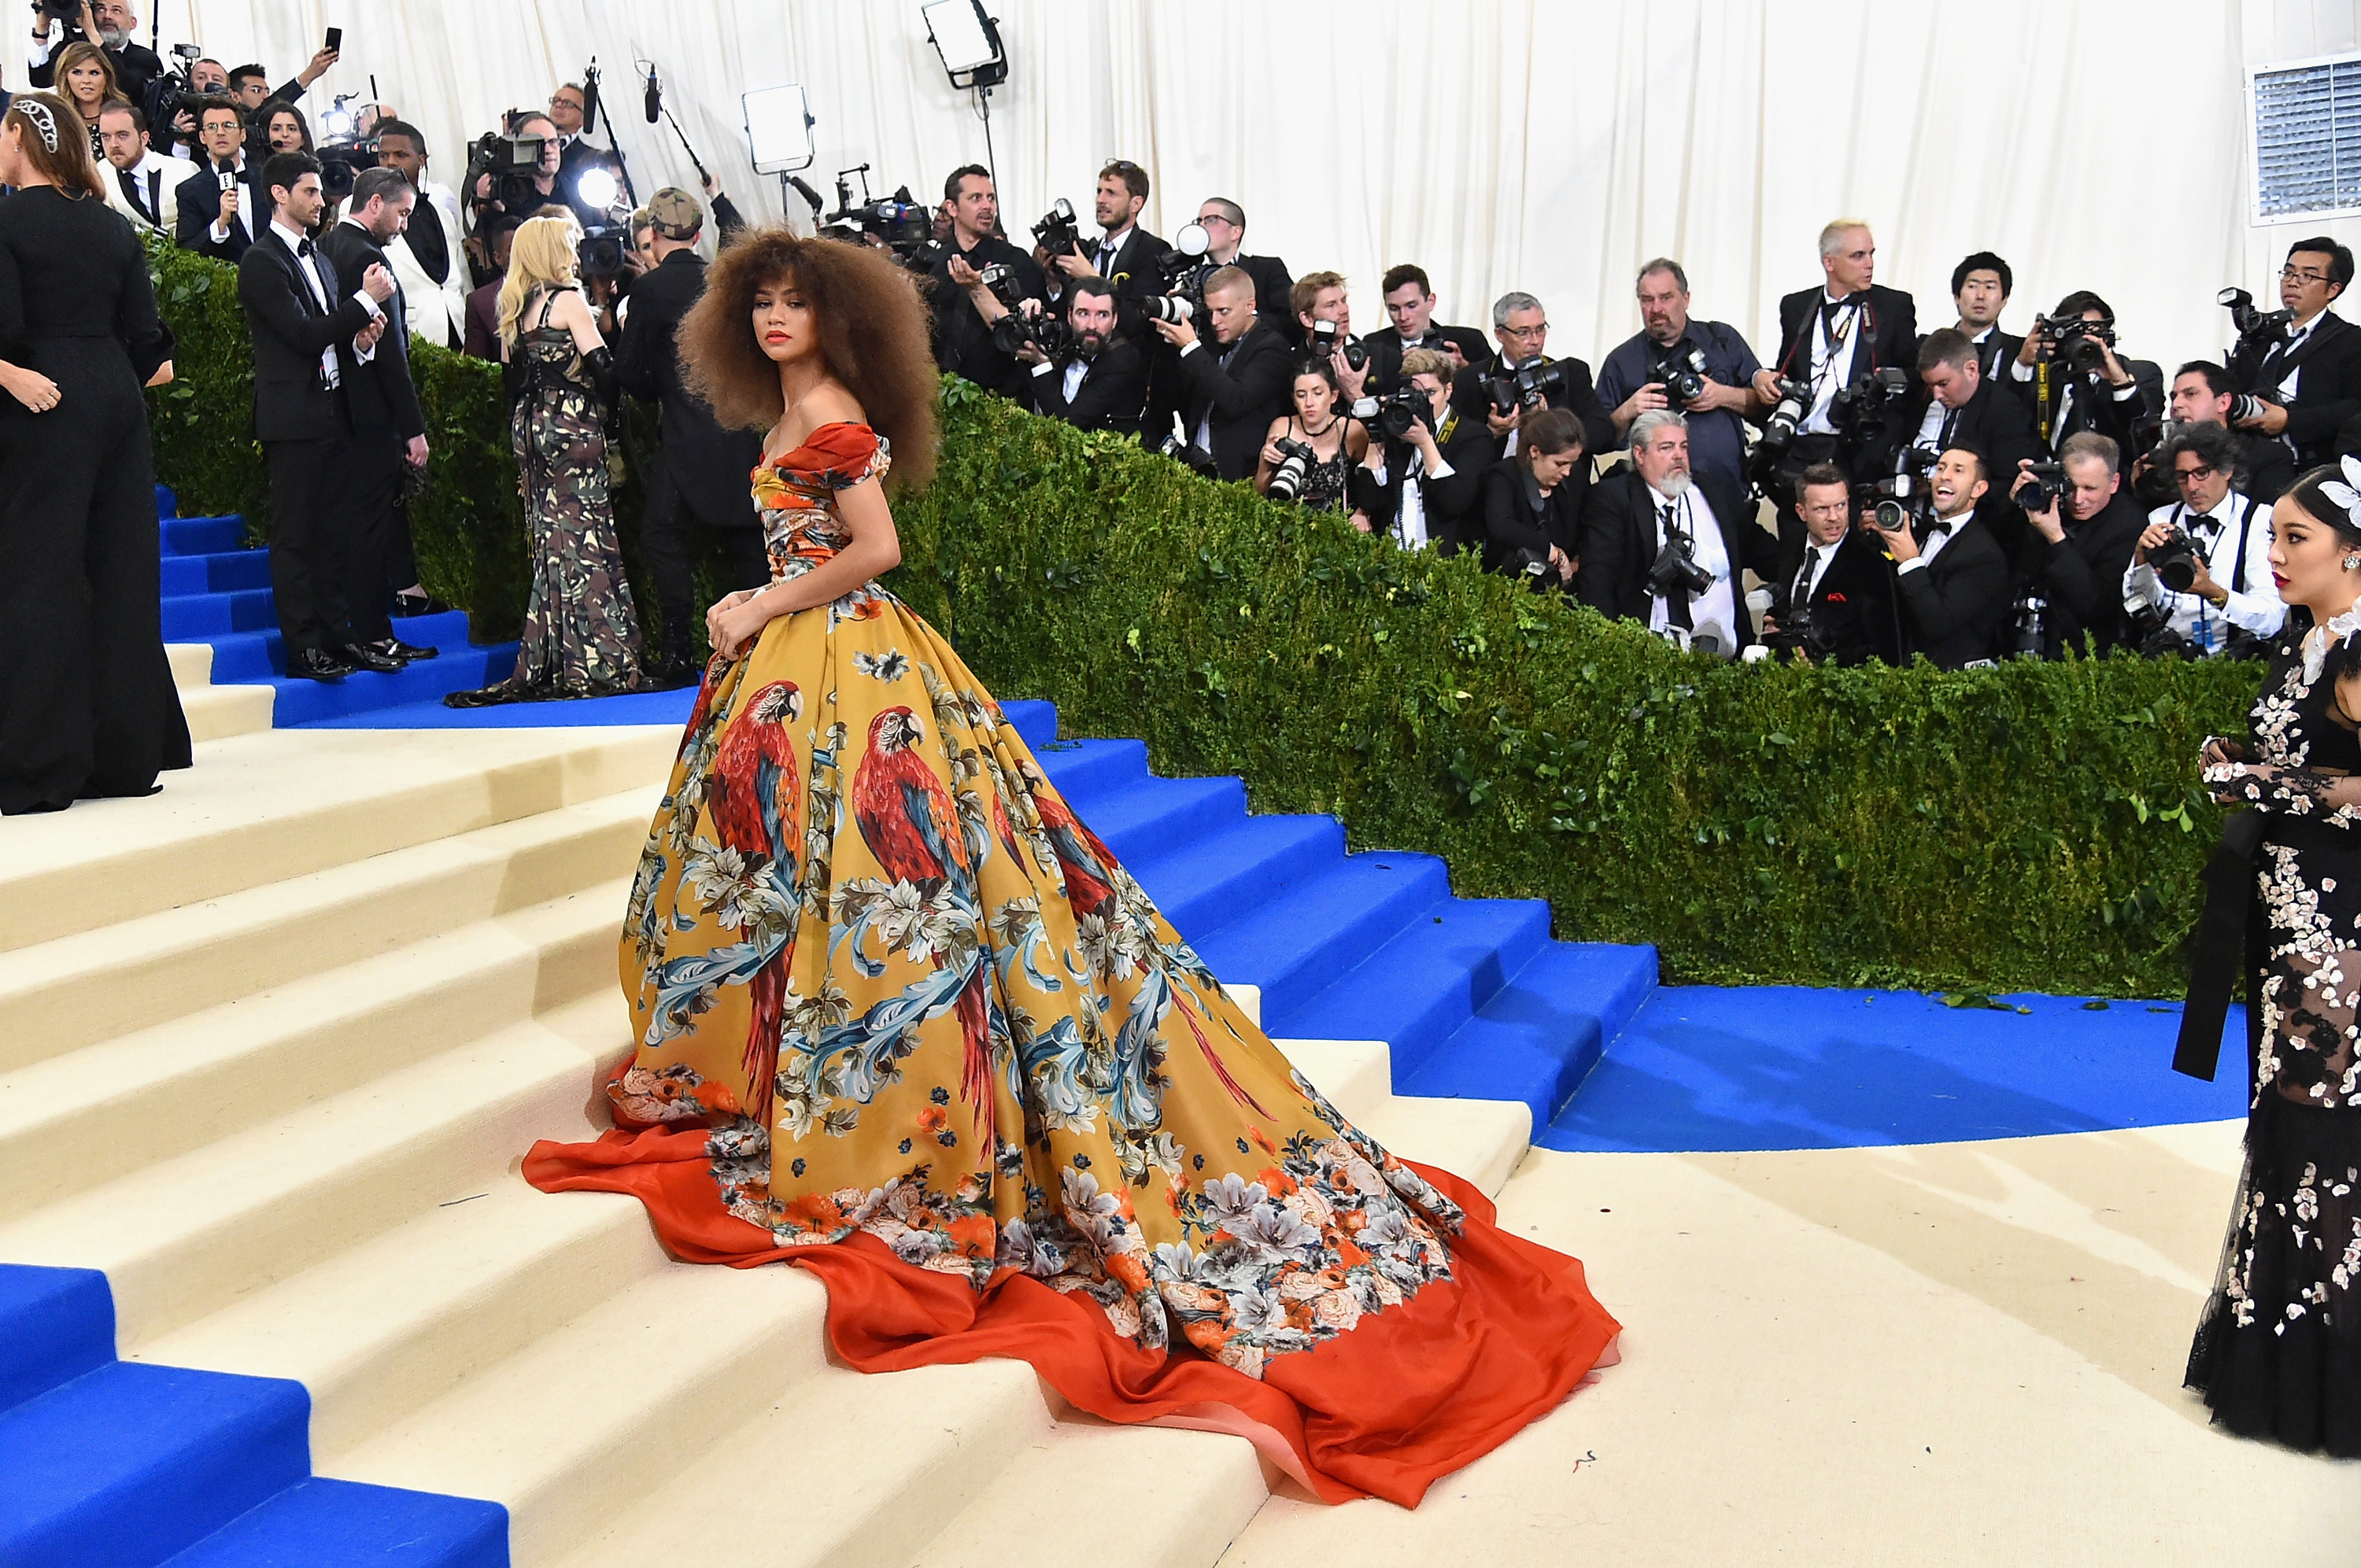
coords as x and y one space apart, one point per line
2036 827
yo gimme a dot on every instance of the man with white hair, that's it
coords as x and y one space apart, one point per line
1664 547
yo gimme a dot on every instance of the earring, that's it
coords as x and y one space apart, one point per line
2353 562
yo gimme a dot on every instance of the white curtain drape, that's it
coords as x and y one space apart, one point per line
1544 145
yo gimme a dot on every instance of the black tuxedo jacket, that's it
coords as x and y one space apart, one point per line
1952 607
1852 602
1993 423
2327 394
1891 319
1619 545
708 466
1471 394
291 401
1113 390
1996 353
200 199
1506 521
2082 577
1386 352
1135 277
964 343
1242 397
1453 519
383 398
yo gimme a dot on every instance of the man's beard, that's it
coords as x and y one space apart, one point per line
1675 484
113 37
1088 344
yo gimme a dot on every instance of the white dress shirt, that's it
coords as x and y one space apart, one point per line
1832 352
1103 254
295 240
1713 613
1816 557
2255 608
1409 522
1936 540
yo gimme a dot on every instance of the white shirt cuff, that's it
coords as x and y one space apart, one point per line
1189 348
1912 565
1043 369
368 304
1442 470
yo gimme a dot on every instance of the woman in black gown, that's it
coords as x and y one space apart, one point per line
2278 1353
87 705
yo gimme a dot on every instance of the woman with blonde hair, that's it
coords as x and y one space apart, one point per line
580 638
87 705
86 80
904 1019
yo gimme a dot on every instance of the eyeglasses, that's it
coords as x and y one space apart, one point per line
1204 218
1523 333
1122 166
2298 275
2192 475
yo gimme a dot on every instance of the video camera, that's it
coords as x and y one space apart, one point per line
2254 327
895 222
344 152
513 162
1529 385
1057 233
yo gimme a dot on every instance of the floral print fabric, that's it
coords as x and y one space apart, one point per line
908 995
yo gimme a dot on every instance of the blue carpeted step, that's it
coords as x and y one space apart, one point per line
1203 883
197 617
202 535
1293 945
1036 723
129 1463
258 655
460 668
55 1325
1080 768
1132 819
321 1523
1539 1035
1428 980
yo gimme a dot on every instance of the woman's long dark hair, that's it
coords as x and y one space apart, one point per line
258 128
70 168
873 334
2310 491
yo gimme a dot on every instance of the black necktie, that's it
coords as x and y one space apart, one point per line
130 183
1802 593
1951 423
1677 604
1106 258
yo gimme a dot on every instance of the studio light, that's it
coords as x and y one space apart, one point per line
597 188
967 40
778 129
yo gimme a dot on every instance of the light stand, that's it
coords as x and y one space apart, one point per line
778 138
968 43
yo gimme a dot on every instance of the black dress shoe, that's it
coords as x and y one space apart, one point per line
407 605
318 665
408 652
362 656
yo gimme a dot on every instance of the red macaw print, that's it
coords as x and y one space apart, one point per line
1084 860
909 823
756 799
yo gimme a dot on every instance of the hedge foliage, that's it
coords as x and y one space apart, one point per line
2035 827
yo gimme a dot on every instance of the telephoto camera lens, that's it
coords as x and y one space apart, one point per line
2246 405
1168 308
1892 516
1295 462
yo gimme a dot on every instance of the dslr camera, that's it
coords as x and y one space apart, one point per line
1682 376
1328 339
601 254
1675 569
2077 342
1057 233
2175 561
1295 462
1401 410
1191 456
1901 499
1800 631
2048 487
2254 327
1185 269
1529 386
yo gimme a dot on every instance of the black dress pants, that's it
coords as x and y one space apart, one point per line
87 705
664 535
381 539
314 518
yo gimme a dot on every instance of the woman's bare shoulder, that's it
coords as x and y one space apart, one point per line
832 402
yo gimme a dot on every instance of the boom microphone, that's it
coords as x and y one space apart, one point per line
654 102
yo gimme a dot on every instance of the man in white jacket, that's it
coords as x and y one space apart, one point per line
141 183
427 261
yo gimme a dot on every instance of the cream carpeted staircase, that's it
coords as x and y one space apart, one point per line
277 1040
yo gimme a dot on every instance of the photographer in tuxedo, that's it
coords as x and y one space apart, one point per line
1980 287
217 217
1224 222
141 183
1957 407
1421 488
1647 370
2078 383
1665 547
309 344
2084 538
698 475
1522 328
1101 383
1832 600
1125 253
964 306
388 427
1233 380
1410 312
2310 373
2233 598
2202 394
1949 575
1839 335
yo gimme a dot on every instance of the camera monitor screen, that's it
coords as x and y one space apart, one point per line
778 130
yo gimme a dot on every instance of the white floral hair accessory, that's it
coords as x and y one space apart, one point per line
36 114
2347 493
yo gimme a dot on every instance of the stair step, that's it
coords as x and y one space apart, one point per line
202 535
192 665
1134 818
209 613
267 807
1540 1037
1083 768
320 1523
1428 980
78 991
260 654
55 1325
1294 945
462 667
1036 723
1203 883
215 713
128 1465
225 572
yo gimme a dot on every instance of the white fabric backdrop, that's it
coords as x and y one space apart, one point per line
1536 144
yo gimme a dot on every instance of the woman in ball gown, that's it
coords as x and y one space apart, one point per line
580 637
2277 1351
902 1019
87 704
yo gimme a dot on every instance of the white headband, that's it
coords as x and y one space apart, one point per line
37 114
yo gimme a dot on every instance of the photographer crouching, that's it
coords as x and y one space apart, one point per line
1664 547
2085 526
1832 601
1427 463
2200 583
1310 453
1085 376
1532 511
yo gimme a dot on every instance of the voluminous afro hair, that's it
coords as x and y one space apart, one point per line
873 334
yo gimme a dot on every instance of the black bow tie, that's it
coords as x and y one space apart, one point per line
304 247
1831 308
1933 526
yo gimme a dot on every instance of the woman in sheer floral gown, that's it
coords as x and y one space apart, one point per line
904 1020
